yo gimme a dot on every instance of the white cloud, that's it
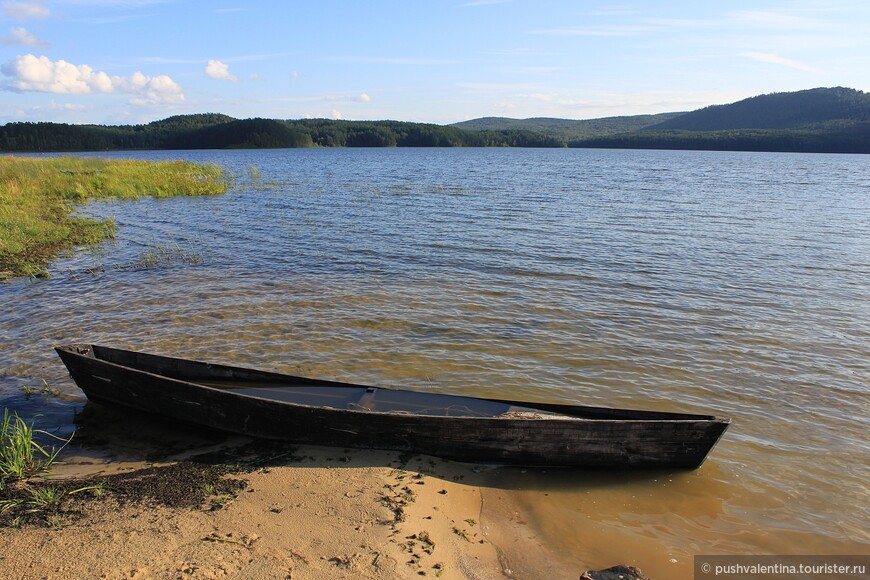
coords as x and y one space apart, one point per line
29 73
336 114
216 69
774 20
40 74
151 91
66 106
781 61
25 10
360 98
21 36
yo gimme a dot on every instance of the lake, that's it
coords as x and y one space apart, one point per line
735 284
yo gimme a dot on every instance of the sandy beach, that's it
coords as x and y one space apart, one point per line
315 512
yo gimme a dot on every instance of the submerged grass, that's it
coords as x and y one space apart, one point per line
37 197
166 255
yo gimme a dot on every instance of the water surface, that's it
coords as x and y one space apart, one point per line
728 283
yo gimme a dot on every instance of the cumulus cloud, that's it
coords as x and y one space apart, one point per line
363 98
336 114
215 69
31 73
40 74
25 10
21 36
150 91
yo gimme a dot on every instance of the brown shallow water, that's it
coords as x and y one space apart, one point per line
734 284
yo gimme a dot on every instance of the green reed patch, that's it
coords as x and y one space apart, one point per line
166 255
37 197
20 455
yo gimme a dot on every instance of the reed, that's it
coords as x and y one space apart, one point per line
162 255
20 455
38 195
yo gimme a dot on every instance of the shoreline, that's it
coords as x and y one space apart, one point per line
304 512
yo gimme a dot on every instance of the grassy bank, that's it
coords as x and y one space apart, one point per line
37 196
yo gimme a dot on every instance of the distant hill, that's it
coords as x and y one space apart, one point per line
799 109
237 134
835 120
189 122
567 128
823 120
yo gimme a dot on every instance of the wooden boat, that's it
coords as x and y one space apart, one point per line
304 410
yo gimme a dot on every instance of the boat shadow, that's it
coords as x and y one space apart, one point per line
130 437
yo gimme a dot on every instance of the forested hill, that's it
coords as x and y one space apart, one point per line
824 120
568 129
776 111
816 120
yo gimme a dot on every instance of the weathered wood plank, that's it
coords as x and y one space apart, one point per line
459 428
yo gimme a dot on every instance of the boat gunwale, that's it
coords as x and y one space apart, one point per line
72 349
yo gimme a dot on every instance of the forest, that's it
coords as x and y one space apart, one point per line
832 138
212 131
832 120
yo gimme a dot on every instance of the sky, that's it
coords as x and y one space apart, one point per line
435 61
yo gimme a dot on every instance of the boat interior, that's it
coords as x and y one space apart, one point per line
374 399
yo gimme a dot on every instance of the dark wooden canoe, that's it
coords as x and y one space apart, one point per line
497 431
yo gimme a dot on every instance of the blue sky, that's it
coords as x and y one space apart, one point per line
135 61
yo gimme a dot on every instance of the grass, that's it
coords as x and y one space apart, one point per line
42 503
48 497
46 389
37 197
165 255
21 458
20 455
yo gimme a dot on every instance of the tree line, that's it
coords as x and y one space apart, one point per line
213 131
836 137
210 131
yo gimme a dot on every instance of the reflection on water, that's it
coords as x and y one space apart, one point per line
726 283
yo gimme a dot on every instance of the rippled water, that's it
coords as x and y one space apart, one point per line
729 283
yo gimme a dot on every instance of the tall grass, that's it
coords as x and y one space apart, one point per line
37 196
20 455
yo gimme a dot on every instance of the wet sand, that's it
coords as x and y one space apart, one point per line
306 512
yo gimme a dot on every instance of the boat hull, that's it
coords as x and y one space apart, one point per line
565 436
